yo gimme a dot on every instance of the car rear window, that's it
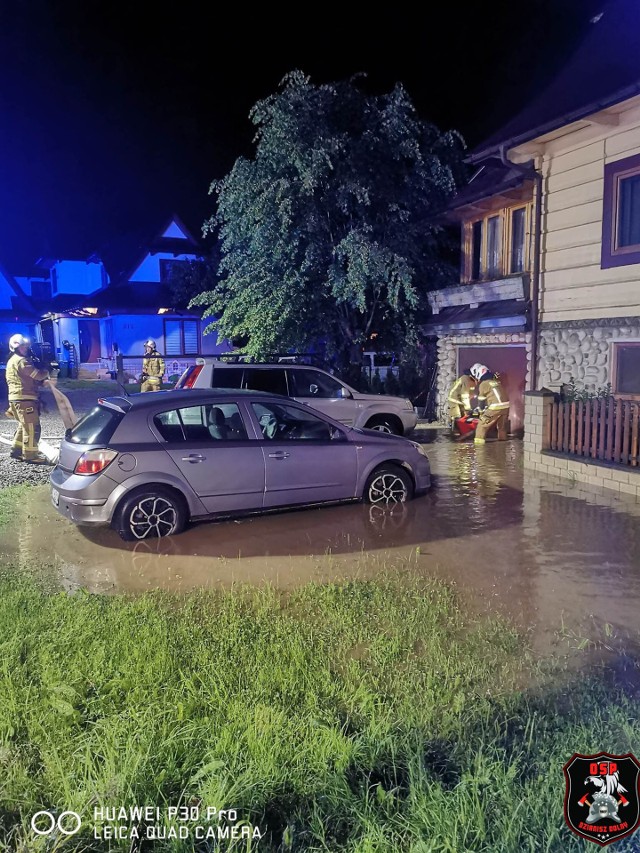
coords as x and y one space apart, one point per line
227 377
266 379
96 427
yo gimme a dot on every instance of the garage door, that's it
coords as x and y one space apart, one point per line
511 363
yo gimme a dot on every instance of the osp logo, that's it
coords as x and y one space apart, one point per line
67 823
609 809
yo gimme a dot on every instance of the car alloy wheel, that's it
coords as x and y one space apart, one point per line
384 424
388 486
148 515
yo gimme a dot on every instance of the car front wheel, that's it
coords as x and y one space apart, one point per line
150 515
388 486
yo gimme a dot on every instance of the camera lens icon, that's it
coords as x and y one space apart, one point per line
67 823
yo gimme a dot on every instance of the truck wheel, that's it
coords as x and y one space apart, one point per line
387 486
385 423
150 513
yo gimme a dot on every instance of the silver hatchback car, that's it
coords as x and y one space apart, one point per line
150 463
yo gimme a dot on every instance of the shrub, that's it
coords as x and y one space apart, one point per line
570 393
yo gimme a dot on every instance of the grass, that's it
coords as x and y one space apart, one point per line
10 500
369 717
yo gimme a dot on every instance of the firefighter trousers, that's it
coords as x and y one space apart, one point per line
490 418
27 434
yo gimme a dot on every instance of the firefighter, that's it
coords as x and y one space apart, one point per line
152 368
493 401
24 381
460 396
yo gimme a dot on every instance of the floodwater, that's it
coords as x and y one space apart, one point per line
545 552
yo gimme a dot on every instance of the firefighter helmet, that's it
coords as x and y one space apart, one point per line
478 370
16 341
603 807
150 343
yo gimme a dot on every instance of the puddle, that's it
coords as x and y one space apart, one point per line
538 549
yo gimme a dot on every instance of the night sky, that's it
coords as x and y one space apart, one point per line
116 114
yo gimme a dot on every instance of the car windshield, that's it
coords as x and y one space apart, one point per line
96 427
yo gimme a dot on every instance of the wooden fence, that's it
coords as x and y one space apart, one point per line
605 429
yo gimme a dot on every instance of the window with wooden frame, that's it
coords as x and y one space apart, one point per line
621 213
626 368
496 245
181 337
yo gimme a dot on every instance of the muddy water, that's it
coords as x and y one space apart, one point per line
539 549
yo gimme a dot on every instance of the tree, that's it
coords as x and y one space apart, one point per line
329 233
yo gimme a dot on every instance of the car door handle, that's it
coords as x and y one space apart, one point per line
193 457
279 454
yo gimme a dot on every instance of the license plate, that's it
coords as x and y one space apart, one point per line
55 497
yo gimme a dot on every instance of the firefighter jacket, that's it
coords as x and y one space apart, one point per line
461 392
153 366
491 394
24 378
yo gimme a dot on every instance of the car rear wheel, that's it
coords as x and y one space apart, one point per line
148 514
387 486
385 423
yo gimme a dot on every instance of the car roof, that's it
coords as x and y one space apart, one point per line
263 364
182 396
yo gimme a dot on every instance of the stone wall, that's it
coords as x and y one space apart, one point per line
582 351
447 360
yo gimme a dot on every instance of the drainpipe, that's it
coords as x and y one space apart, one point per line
527 169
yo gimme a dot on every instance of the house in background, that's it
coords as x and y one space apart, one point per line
487 317
550 222
582 138
90 310
582 134
18 315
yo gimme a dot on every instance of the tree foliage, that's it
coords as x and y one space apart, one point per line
329 233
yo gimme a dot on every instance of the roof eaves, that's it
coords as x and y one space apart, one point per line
495 149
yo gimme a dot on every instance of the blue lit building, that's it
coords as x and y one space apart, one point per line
87 310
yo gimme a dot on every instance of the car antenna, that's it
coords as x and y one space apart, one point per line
123 389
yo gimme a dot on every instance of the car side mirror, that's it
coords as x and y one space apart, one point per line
344 393
337 434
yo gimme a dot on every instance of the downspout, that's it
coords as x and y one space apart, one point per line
527 169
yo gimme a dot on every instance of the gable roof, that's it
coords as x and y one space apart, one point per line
123 255
20 304
603 71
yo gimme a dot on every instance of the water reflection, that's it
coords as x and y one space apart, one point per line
535 547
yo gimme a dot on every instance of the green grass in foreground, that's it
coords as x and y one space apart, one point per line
10 500
367 716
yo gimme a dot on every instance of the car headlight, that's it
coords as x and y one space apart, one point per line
420 449
408 404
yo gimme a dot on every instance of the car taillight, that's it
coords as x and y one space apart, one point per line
94 461
189 382
188 378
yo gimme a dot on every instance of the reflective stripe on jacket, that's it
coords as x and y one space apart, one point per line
23 378
461 391
493 393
